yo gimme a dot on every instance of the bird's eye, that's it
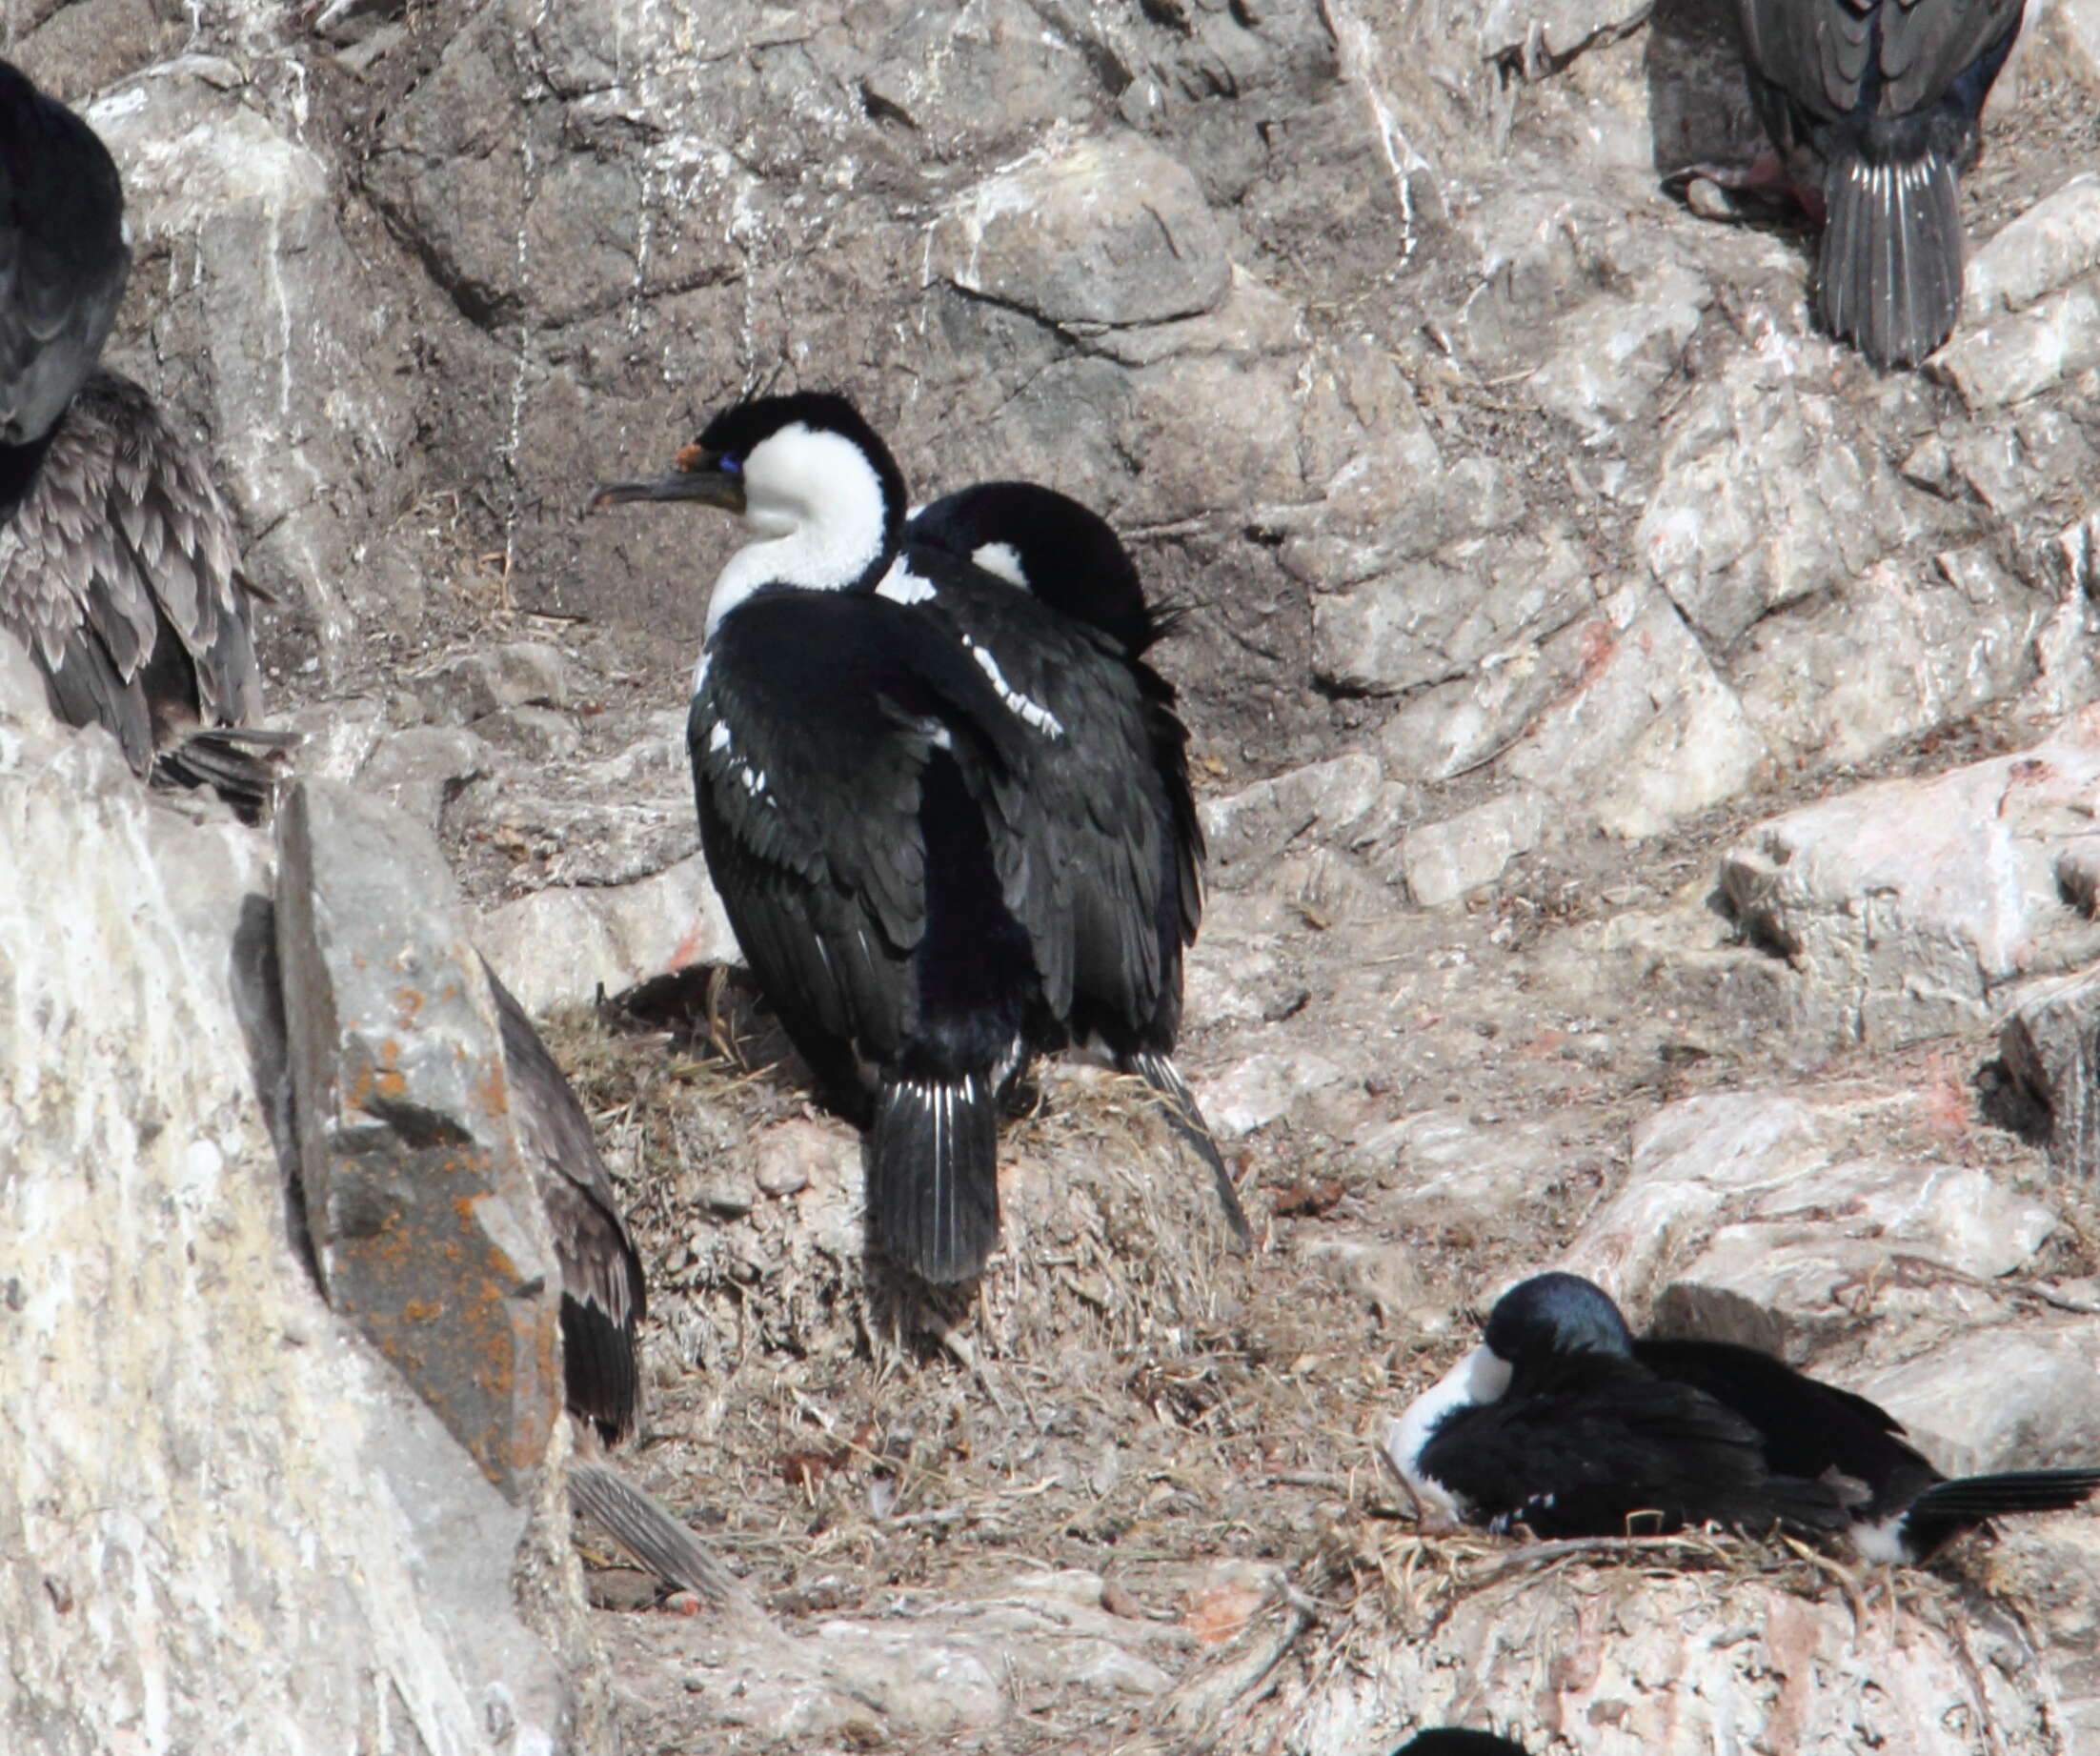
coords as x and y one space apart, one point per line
729 464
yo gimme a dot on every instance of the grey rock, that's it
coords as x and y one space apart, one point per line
216 1440
1261 1089
1993 1400
1745 459
1339 797
1650 1662
2018 354
565 944
2053 243
1897 653
1541 36
1108 231
2067 36
289 328
2050 1043
1611 356
521 673
540 735
426 1223
1429 621
1645 733
1875 898
421 769
1442 862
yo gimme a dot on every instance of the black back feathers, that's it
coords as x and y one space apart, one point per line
63 256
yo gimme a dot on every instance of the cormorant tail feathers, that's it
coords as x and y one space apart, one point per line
933 1174
1890 275
652 1533
1177 1105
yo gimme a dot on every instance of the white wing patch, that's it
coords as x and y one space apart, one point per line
901 585
718 738
1003 562
1032 711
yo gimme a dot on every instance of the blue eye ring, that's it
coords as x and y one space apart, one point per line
729 464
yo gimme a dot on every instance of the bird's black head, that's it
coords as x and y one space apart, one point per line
1451 1741
1556 1314
781 461
1047 543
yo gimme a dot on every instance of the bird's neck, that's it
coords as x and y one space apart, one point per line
826 555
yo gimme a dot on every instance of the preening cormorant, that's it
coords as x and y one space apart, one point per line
117 558
1565 1424
1070 559
930 843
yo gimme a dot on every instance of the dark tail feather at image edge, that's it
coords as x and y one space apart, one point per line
1179 1105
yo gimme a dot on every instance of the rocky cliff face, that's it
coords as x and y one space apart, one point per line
1648 760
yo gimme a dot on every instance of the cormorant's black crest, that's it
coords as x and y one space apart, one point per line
63 256
1556 1314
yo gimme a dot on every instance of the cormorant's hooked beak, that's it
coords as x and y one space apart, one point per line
698 477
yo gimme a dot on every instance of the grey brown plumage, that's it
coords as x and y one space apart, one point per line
1877 105
118 571
604 1298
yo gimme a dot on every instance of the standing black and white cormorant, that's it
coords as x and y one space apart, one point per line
603 1299
1562 1421
118 563
924 860
1070 559
1874 107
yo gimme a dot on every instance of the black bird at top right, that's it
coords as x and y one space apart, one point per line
1875 107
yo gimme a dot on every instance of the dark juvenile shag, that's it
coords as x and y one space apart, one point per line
603 1299
1875 107
1563 1422
117 558
928 850
1067 556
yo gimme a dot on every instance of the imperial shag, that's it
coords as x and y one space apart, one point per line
1874 107
1563 1422
927 854
118 565
1069 558
602 1296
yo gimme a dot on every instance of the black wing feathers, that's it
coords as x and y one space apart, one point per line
63 259
604 1298
1597 1440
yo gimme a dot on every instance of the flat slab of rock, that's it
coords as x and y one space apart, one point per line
1904 906
1755 1216
425 1219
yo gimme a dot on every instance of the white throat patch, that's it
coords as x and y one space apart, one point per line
1479 1377
813 502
